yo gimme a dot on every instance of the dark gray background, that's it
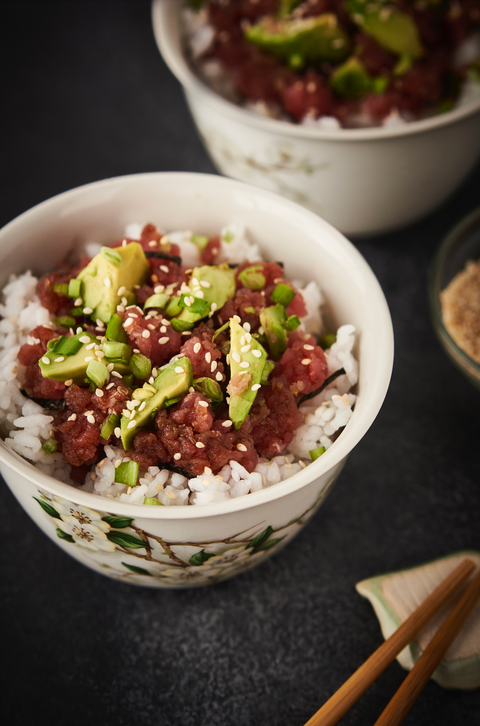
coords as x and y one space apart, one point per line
85 95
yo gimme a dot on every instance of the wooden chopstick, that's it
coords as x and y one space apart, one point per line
418 677
343 699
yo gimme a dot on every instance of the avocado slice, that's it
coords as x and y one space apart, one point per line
390 28
211 285
315 38
273 320
351 79
111 276
172 381
244 349
59 366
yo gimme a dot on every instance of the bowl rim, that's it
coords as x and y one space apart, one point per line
455 235
164 15
332 458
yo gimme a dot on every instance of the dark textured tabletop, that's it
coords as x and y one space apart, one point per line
85 96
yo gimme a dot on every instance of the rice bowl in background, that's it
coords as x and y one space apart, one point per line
363 181
182 546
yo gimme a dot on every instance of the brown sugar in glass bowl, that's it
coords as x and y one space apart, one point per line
454 295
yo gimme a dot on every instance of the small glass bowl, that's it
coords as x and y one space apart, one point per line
459 246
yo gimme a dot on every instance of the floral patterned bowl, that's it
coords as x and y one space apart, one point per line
196 545
363 181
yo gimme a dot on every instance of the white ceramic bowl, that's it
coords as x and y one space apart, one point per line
363 181
238 533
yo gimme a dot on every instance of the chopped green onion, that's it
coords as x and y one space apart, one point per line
76 312
152 501
156 301
97 373
60 287
226 326
181 325
115 329
67 346
65 321
127 473
111 255
117 351
316 453
173 308
74 287
327 340
50 446
52 343
267 369
253 277
109 425
128 380
200 240
210 388
140 366
197 306
293 322
283 294
172 401
250 310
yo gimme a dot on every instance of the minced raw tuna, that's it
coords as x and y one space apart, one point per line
155 365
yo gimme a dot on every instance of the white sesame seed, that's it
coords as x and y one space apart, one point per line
245 348
307 346
124 301
131 424
128 322
145 334
46 360
227 423
241 447
73 417
255 387
99 392
236 356
142 406
110 368
107 282
59 359
213 367
257 353
207 470
219 376
205 283
208 357
69 382
85 339
99 354
121 290
306 362
91 419
163 329
246 326
244 364
158 289
199 445
164 340
171 495
164 269
116 374
177 456
248 337
237 319
203 403
153 243
197 347
88 311
110 385
91 346
78 302
179 369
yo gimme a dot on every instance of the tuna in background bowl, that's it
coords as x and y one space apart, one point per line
188 546
363 181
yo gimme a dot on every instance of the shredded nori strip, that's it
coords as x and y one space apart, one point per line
50 404
174 469
164 256
327 381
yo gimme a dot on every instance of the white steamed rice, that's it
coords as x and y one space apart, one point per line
26 425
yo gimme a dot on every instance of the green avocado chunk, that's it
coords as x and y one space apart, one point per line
393 30
351 79
315 38
172 381
61 367
111 276
211 287
243 349
273 320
